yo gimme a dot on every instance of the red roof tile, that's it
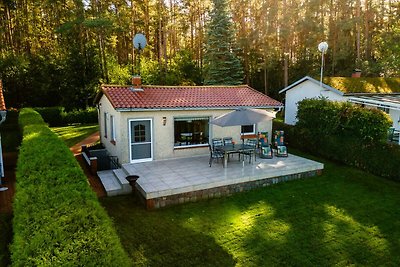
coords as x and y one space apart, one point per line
2 103
171 97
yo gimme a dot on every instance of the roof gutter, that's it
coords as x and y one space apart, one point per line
200 108
373 103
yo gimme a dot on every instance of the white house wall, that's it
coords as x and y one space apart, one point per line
395 115
305 90
163 136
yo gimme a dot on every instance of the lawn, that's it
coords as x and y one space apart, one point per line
343 217
73 134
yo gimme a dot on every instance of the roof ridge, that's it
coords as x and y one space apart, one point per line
179 86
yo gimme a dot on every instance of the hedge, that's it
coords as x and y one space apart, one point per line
378 158
57 116
57 217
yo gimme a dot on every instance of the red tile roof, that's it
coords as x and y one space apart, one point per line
2 103
175 97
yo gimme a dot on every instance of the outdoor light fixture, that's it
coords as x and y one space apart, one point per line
164 121
322 47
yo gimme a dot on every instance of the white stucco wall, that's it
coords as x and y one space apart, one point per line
163 136
306 89
395 115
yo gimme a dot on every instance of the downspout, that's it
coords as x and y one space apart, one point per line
3 114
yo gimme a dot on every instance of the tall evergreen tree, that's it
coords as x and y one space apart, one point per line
222 65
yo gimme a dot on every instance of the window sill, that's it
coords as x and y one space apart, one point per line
190 146
248 136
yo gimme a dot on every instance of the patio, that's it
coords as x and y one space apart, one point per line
168 182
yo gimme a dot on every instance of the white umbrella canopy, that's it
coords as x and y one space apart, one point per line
243 116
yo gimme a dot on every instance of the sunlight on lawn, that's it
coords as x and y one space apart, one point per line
73 134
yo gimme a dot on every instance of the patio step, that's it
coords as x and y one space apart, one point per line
114 182
121 176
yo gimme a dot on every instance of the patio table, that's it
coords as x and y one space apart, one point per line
233 148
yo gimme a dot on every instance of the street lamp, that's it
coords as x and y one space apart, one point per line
322 47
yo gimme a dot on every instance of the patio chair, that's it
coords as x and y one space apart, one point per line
217 142
252 143
227 141
215 154
279 144
265 148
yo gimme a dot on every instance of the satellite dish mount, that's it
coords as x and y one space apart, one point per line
139 42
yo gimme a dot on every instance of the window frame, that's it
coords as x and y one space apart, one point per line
248 133
105 124
112 128
188 118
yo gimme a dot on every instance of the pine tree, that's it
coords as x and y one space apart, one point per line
223 67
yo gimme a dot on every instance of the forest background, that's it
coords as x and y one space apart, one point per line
57 52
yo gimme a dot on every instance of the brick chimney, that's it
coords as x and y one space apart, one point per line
356 73
137 82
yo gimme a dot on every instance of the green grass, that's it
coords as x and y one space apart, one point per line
343 217
73 134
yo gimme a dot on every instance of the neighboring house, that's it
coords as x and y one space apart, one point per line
3 113
382 93
144 123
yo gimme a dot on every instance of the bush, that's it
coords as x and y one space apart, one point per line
57 217
57 116
379 157
325 117
10 133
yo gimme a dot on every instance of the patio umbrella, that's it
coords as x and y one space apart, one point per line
243 116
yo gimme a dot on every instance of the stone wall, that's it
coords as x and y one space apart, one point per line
216 192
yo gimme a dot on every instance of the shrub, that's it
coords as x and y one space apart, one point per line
51 115
379 157
57 116
57 217
88 115
325 117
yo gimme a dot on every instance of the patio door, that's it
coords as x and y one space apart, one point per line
140 140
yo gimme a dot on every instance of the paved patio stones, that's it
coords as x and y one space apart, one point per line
166 182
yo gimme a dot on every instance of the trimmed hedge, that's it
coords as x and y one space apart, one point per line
324 117
57 217
57 116
379 158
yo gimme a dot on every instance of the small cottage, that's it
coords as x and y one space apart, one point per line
381 93
143 123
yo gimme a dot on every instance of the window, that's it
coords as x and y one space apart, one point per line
191 131
247 129
384 109
139 133
112 127
105 124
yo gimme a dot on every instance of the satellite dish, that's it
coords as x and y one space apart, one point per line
323 47
139 41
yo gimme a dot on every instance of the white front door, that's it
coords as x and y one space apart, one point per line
140 140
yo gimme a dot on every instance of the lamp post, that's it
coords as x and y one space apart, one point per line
322 47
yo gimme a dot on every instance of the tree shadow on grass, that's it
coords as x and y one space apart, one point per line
342 218
329 226
157 238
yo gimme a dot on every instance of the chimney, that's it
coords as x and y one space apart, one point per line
137 83
356 73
